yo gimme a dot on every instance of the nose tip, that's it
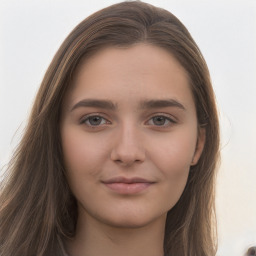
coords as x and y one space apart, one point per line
127 155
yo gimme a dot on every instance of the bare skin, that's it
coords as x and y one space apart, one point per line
129 136
95 239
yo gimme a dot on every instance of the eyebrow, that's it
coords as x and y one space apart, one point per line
106 104
146 104
161 104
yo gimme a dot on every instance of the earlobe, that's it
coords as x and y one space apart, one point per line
199 146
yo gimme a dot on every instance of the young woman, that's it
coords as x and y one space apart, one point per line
119 155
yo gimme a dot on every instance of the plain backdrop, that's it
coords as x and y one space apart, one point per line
32 30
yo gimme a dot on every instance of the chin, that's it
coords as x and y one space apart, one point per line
131 221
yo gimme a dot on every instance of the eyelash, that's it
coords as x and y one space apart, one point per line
86 119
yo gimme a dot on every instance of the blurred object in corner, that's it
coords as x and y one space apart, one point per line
251 251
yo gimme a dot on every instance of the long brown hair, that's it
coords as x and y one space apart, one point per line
37 206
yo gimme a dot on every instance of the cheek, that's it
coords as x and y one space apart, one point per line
175 153
173 159
82 154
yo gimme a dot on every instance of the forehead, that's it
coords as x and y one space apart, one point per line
141 70
142 57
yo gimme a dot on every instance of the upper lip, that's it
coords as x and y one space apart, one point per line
127 180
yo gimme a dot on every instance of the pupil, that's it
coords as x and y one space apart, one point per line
95 120
159 120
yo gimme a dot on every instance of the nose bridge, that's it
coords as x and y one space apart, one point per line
128 146
128 134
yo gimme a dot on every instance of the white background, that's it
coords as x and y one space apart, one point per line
31 32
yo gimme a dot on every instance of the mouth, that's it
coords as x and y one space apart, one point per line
127 186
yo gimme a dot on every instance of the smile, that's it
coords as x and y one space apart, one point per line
126 186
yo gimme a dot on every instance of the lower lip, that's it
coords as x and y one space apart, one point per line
128 188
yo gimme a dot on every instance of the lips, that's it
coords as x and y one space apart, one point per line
127 186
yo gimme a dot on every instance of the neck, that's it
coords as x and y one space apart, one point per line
98 239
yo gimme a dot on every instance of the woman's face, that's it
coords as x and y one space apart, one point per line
129 135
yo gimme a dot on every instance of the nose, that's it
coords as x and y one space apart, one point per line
128 148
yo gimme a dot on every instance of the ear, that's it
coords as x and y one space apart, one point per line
199 146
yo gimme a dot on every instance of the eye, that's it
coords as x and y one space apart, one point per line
94 120
161 120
